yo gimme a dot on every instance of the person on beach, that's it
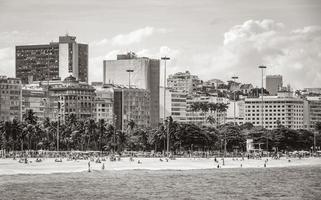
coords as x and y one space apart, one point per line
103 167
89 166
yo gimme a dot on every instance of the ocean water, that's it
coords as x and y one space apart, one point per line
264 183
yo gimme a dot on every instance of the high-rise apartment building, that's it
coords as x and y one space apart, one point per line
183 81
312 112
273 84
131 103
283 109
145 75
10 98
53 61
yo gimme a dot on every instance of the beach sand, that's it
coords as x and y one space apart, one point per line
48 166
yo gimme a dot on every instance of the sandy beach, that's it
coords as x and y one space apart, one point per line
48 166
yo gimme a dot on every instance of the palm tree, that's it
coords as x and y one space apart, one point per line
90 129
204 108
102 130
30 117
5 128
221 108
210 119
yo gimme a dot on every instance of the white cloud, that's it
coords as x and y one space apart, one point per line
294 54
132 37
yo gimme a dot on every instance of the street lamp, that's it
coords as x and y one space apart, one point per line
164 117
129 71
262 109
165 59
234 78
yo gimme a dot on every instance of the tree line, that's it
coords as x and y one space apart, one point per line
74 134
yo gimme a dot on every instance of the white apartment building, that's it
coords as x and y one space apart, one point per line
283 109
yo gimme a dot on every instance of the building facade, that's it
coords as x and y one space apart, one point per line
273 84
283 109
73 97
183 82
10 98
312 112
237 108
104 103
131 104
35 98
53 61
145 75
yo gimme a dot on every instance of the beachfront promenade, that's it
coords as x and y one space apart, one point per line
48 165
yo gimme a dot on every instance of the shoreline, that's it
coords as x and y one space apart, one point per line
49 166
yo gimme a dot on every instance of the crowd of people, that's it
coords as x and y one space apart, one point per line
219 159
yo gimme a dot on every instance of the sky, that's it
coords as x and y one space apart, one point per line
210 38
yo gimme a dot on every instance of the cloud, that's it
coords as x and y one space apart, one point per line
132 37
295 54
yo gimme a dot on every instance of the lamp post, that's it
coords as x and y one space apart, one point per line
129 110
50 49
234 78
164 117
58 121
262 109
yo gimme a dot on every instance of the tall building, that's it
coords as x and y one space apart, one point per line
56 60
145 75
183 81
283 109
312 112
10 98
273 84
131 103
74 97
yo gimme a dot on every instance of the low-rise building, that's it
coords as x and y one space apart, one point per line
74 97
